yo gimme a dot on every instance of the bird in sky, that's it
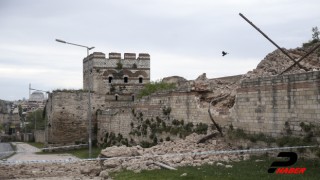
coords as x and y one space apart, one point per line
224 53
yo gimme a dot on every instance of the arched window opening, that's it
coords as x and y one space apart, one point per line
116 97
132 97
125 79
140 80
110 79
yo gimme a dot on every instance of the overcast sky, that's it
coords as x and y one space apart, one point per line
183 37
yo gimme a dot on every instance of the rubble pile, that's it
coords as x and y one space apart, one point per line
276 62
273 64
70 170
173 153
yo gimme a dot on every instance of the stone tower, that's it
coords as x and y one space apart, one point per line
115 77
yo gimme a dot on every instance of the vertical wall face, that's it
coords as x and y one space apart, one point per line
184 106
68 118
116 75
268 104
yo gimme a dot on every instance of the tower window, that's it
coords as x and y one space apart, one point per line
110 79
132 97
116 97
125 79
140 80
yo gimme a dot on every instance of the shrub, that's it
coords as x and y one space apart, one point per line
119 65
201 128
306 128
166 111
175 122
188 127
153 87
145 144
287 128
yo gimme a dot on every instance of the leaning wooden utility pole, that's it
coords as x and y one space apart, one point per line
296 62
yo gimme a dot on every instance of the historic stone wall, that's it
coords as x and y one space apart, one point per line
68 116
268 105
184 106
39 136
272 104
98 70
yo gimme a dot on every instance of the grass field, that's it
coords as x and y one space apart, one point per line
36 144
80 153
249 169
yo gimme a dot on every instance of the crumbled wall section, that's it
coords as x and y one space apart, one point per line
266 104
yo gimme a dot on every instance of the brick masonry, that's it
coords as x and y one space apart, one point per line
184 106
68 117
266 104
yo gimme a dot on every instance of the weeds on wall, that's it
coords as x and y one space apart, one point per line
309 136
119 66
70 90
152 130
111 139
155 86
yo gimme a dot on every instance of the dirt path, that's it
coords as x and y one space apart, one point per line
18 167
4 149
27 152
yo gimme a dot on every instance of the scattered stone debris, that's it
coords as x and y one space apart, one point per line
136 158
167 153
184 174
220 164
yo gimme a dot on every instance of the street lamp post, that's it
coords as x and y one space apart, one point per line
89 94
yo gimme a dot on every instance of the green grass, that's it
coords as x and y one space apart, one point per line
80 153
249 169
36 144
153 87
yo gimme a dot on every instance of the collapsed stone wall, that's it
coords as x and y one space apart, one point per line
275 104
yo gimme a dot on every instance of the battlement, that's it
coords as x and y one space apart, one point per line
114 55
129 56
116 73
94 55
144 56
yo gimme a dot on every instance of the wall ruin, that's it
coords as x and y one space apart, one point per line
270 104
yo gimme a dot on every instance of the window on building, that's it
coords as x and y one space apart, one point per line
116 97
132 97
125 79
110 79
140 80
